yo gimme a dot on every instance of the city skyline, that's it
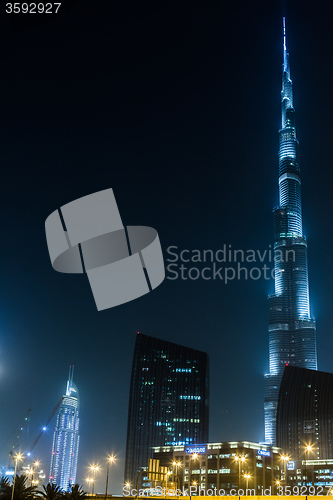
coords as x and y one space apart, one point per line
292 330
176 108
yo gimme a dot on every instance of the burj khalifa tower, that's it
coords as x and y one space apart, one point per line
292 330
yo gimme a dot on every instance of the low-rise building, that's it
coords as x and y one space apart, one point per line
225 466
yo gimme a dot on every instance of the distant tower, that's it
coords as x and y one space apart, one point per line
292 330
168 401
65 446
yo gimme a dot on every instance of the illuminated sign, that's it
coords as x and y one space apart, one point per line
264 453
291 465
196 449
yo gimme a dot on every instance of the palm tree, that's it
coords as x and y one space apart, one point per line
5 488
51 492
4 482
76 493
21 490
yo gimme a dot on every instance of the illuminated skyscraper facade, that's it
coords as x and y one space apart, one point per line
292 330
168 401
65 446
305 414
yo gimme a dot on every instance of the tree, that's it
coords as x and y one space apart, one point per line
5 488
51 492
4 482
21 490
76 493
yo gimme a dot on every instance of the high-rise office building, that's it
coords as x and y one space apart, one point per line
168 402
65 446
305 414
292 330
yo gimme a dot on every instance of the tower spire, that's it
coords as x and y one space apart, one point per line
70 379
285 54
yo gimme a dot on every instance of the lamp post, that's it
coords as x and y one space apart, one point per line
17 458
35 464
194 456
89 480
28 472
308 448
94 469
277 482
166 480
247 477
285 459
111 459
176 465
239 459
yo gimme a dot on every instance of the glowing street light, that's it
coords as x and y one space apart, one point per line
89 480
194 456
308 449
166 479
176 465
277 482
285 459
94 469
247 477
35 464
17 457
240 460
111 459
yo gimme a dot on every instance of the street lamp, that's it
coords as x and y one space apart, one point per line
194 456
18 457
176 465
247 477
111 459
94 469
277 482
308 448
29 473
239 459
285 459
35 464
166 479
89 481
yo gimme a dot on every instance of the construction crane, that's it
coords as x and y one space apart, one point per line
45 427
23 425
30 449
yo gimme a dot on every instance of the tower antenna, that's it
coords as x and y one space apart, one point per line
285 55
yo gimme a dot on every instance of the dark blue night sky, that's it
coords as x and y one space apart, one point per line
176 106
